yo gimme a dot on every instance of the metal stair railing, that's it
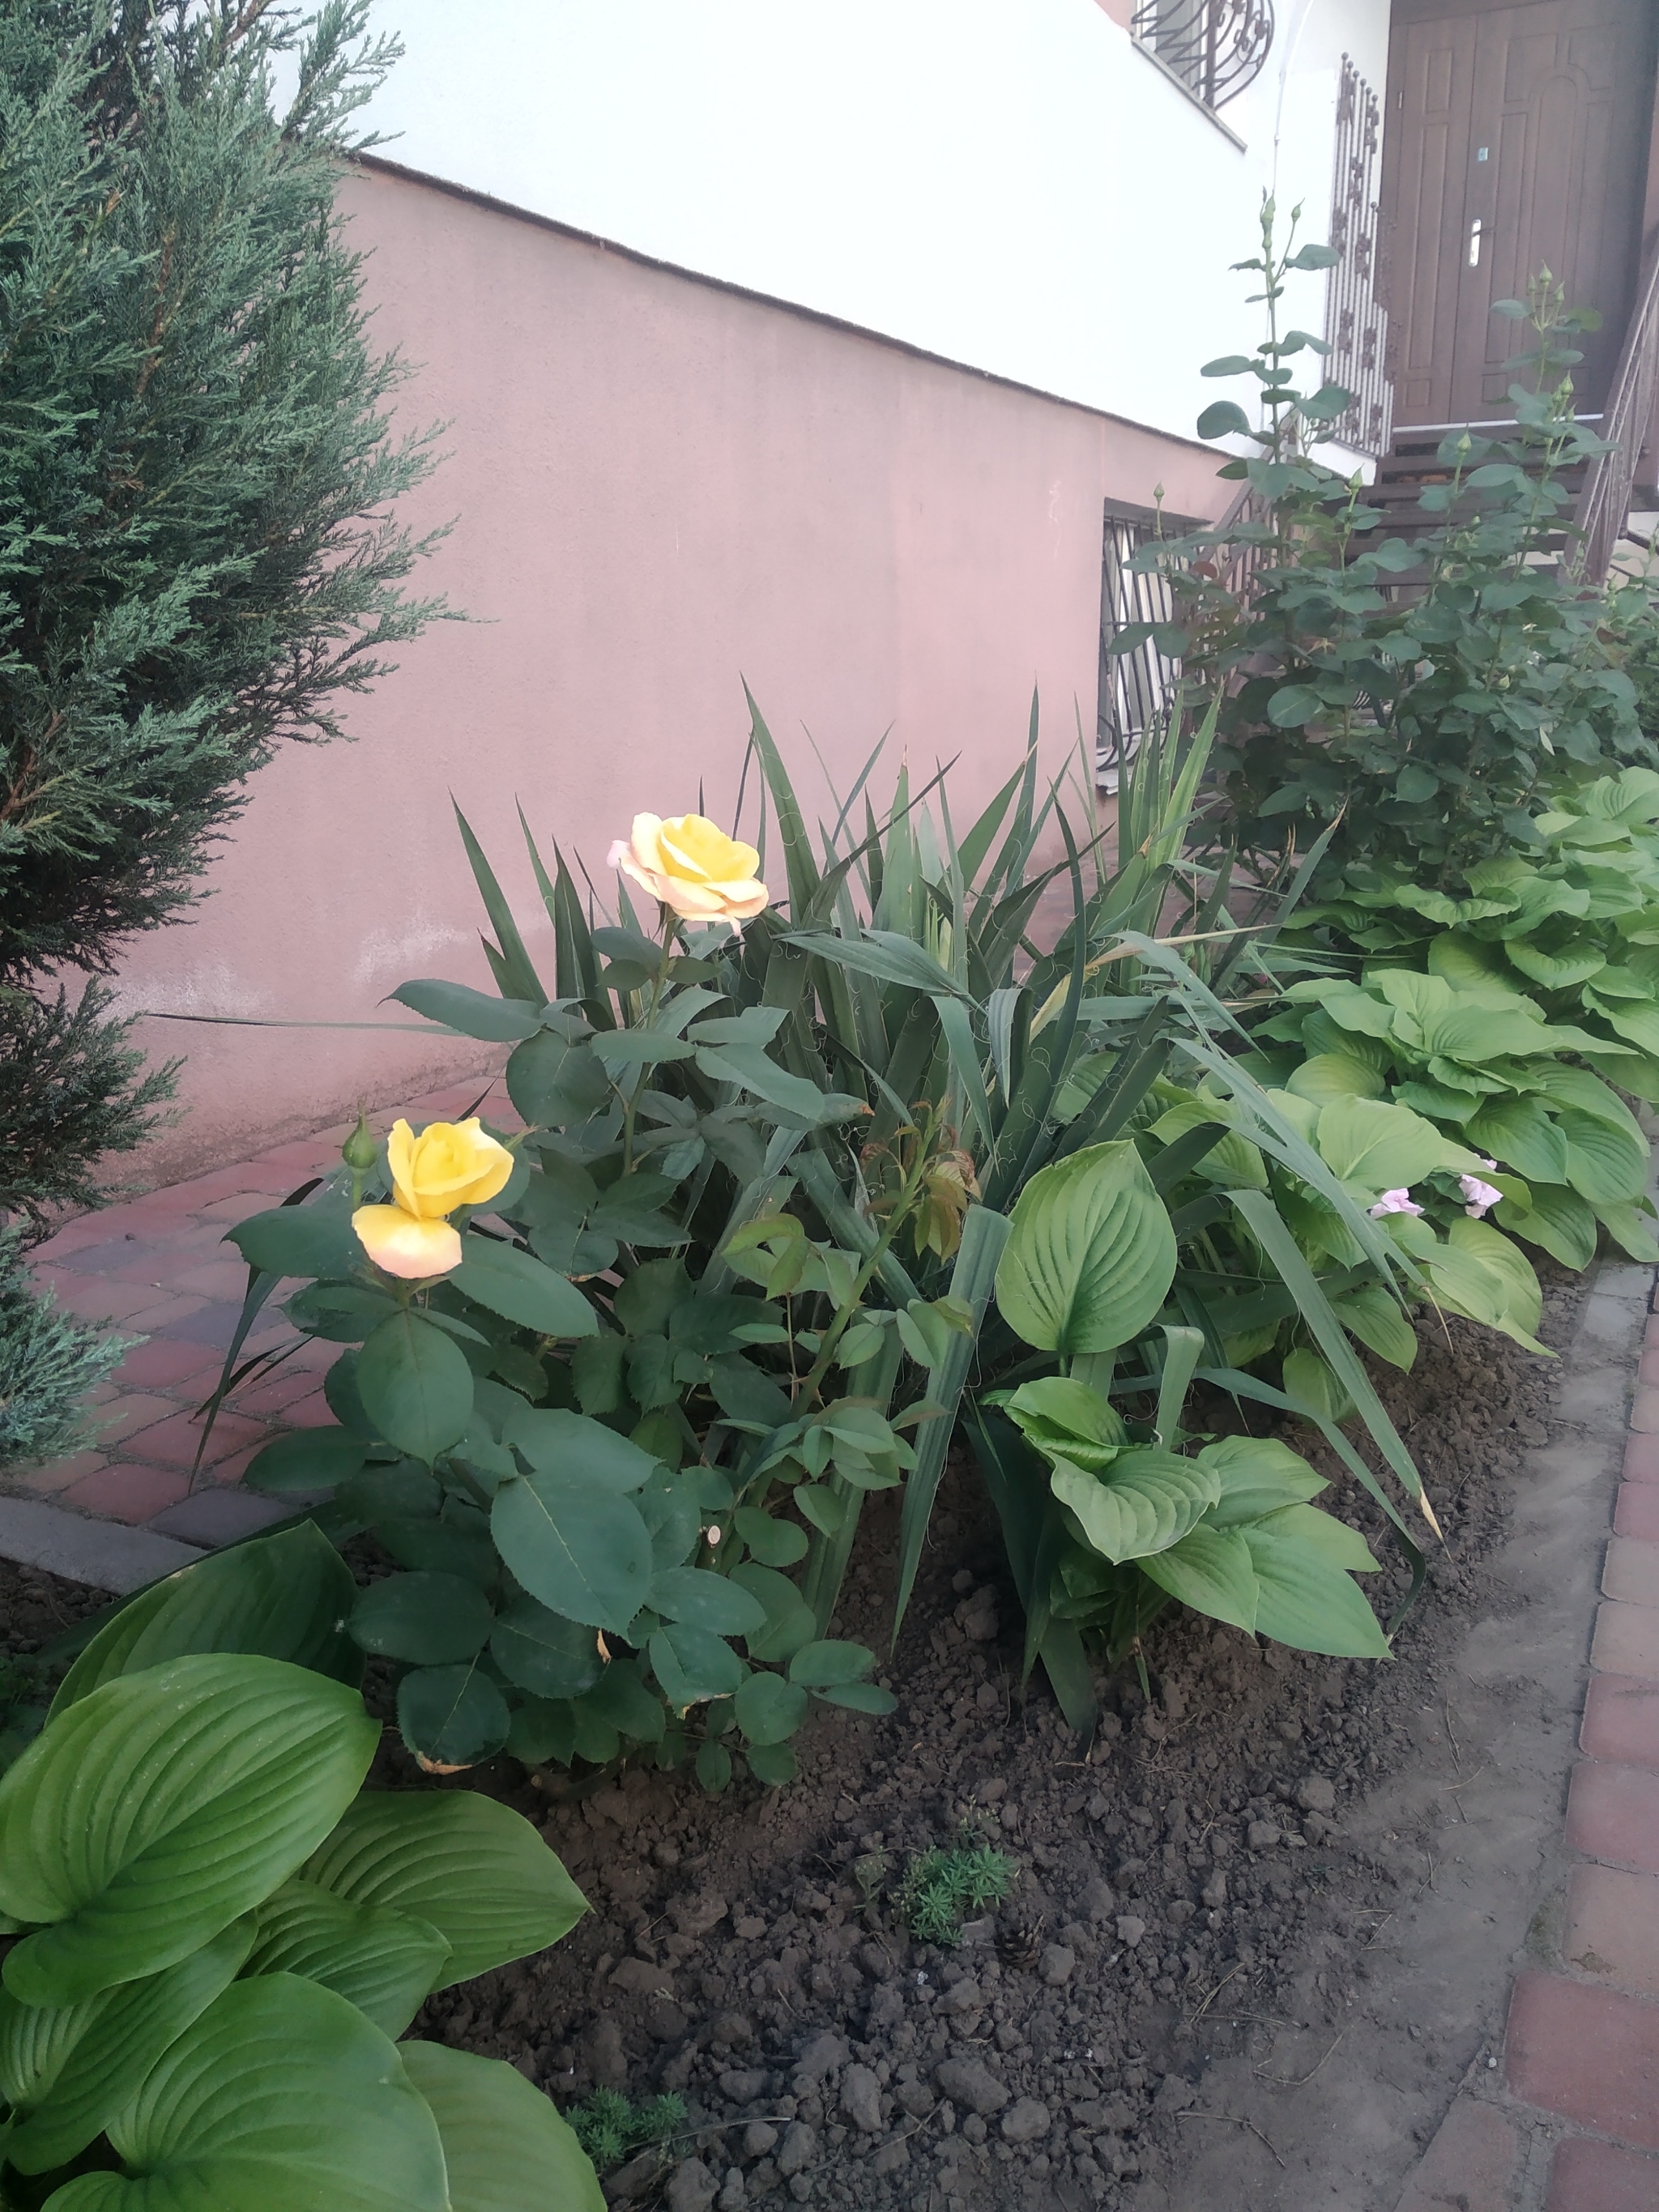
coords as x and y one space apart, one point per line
1603 504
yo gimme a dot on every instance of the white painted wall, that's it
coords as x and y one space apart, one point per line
1007 183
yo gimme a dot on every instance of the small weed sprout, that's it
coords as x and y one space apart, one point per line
610 2129
940 1886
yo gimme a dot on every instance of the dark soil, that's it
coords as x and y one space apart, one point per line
1186 1891
1173 1884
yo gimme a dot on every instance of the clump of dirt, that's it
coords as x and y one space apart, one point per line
1172 1884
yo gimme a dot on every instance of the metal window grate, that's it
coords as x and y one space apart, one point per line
1135 687
1216 47
1355 321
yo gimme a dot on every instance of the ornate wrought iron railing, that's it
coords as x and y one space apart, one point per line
1135 687
1216 47
1603 505
1355 321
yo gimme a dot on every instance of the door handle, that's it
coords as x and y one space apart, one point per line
1475 230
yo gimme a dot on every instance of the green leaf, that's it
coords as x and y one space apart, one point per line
305 1460
557 1442
1557 1220
429 1619
1222 417
1294 704
1378 1147
769 1710
315 1239
382 1960
415 1386
1605 1165
505 2148
1331 1075
1210 1571
1231 364
544 1653
583 1550
1146 1500
1305 1600
692 1663
1521 1299
1067 1419
831 1665
707 1600
859 1697
774 1543
473 1013
790 1621
774 1764
749 1066
1520 1132
1311 1383
159 1807
1090 1255
1631 1229
1371 1315
1257 1475
451 1717
280 2095
283 1598
101 2049
475 1870
519 1287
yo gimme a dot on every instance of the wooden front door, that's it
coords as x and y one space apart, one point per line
1515 137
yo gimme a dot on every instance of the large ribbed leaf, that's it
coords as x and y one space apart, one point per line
1210 1571
1607 1165
160 1806
1090 1255
281 2097
1304 1563
381 1960
505 2145
1558 1220
1519 1133
101 2049
476 1871
285 1596
1146 1500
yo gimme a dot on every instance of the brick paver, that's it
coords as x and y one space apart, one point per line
158 1270
1600 2177
1590 2055
1626 1640
1471 2163
1612 1814
1621 1721
1636 1513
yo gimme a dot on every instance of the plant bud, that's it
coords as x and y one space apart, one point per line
360 1151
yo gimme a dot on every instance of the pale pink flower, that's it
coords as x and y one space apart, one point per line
1480 1195
1393 1202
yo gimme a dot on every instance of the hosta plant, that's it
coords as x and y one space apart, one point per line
1458 1046
217 1937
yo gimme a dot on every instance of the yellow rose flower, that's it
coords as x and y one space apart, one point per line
692 866
401 1243
450 1163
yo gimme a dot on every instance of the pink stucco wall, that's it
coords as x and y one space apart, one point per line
660 487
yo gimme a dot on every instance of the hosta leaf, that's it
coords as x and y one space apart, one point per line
1311 1383
1557 972
1520 1134
162 1806
1331 1075
1375 1318
104 2047
1523 1298
1092 1255
282 1597
1147 1501
281 2094
381 1960
583 1550
1558 1220
1631 1229
506 2148
1257 1475
476 1871
1605 1165
1210 1571
1306 1599
1377 1147
1067 1419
